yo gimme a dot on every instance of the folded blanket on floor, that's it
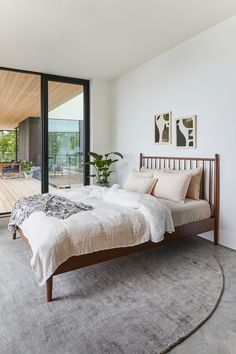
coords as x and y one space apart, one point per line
51 205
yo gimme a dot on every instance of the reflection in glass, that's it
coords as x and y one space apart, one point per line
65 135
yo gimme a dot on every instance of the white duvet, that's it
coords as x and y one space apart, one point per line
119 218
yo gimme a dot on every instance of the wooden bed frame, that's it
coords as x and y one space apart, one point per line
209 192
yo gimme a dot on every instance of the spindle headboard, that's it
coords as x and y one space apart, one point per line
210 173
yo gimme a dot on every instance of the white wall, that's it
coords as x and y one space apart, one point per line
196 77
100 116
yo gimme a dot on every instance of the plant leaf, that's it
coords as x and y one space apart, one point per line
95 155
114 160
101 163
114 153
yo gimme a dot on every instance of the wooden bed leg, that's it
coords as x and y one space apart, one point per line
216 198
216 237
49 284
14 235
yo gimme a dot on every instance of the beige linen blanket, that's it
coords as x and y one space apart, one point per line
119 218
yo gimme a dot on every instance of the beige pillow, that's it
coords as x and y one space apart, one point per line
195 183
172 186
139 184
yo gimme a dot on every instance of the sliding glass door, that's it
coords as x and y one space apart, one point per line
65 132
44 134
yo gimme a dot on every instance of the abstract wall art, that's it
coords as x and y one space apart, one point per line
186 132
163 128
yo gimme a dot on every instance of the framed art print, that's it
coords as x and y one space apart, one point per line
162 128
186 132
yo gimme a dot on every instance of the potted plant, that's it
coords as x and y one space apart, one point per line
26 168
102 165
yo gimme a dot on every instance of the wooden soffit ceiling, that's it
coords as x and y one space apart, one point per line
20 96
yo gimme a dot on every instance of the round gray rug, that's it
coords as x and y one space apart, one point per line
144 303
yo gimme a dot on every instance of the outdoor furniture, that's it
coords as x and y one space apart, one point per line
10 169
58 167
36 172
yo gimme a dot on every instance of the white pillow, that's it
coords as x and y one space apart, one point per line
139 184
172 186
149 170
141 173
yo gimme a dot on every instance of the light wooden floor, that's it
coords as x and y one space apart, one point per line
12 189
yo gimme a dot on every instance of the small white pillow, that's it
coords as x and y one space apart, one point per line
149 170
141 173
139 184
116 186
172 186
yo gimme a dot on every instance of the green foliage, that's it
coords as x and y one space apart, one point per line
7 145
55 141
102 164
63 147
58 142
26 165
74 141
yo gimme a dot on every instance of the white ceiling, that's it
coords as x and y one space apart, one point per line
99 38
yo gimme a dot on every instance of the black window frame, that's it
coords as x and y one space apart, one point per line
44 79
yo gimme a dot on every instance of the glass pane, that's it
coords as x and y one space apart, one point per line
20 144
65 135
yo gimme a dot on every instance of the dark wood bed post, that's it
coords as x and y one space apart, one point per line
216 198
140 160
49 285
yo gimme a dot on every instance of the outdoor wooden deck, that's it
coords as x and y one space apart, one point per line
12 189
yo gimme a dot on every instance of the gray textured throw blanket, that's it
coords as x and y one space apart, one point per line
51 205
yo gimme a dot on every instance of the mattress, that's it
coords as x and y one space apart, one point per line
191 211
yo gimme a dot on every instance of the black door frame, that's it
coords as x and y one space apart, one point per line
44 120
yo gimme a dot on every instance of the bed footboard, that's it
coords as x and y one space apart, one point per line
77 262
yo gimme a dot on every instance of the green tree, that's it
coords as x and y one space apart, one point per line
7 145
74 141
